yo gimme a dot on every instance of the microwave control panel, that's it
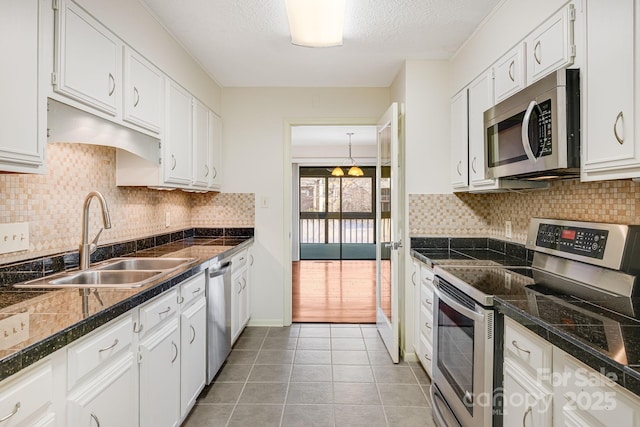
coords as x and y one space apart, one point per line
587 242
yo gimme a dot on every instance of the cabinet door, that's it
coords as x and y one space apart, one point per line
611 147
415 284
160 377
459 142
201 142
87 60
178 136
193 347
215 151
480 99
108 399
23 111
524 403
509 73
143 92
238 303
550 46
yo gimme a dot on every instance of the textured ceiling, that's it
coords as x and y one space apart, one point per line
247 43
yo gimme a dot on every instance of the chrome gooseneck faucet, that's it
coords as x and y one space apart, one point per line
86 248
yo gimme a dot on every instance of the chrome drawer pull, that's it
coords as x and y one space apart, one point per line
15 411
427 325
196 291
112 83
413 278
427 301
513 63
619 117
426 356
536 54
115 343
136 95
515 344
137 329
96 419
165 311
180 300
194 334
175 347
527 412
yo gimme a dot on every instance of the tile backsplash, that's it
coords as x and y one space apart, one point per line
52 203
466 214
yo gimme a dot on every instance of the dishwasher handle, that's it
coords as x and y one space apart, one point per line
219 269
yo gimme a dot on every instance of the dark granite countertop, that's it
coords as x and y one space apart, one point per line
56 318
604 335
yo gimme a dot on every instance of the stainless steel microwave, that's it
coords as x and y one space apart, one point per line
535 133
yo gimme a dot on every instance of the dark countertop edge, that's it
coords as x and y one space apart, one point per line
417 255
622 375
27 356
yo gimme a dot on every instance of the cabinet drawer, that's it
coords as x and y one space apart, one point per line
527 348
426 296
25 394
192 288
154 312
98 348
426 324
239 260
426 354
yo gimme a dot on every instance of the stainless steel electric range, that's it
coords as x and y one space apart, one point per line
575 264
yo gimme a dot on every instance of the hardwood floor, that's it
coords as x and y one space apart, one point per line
334 291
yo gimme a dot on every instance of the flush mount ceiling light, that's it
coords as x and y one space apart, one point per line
316 23
354 170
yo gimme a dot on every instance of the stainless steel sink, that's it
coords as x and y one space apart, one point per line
156 264
107 278
115 273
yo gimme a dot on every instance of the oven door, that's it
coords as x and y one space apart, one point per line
463 350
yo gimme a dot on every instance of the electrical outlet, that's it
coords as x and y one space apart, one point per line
264 202
167 219
14 237
507 229
14 330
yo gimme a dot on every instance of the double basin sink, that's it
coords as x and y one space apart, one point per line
115 273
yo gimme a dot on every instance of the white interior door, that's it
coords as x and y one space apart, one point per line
388 232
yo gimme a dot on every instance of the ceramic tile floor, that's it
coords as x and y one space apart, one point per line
313 375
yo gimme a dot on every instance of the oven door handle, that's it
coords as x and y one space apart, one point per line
526 144
479 317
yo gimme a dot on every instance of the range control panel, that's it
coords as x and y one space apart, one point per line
575 240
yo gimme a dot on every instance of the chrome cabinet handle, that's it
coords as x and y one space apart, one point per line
164 311
426 356
244 283
427 325
511 67
196 291
458 167
95 417
515 344
135 329
239 288
175 162
206 174
16 407
527 412
251 257
536 56
136 96
468 398
427 301
215 172
115 343
180 299
194 334
619 117
175 356
473 165
413 278
112 83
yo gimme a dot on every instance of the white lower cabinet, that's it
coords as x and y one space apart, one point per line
26 398
240 293
159 362
193 347
422 277
107 399
526 403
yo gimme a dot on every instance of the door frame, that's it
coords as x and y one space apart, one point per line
288 194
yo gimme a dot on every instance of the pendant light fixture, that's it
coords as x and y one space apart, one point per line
354 170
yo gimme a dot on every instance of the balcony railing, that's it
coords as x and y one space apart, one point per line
355 230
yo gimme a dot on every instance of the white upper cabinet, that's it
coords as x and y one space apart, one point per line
550 46
480 99
215 151
459 142
88 59
201 144
178 133
23 112
610 145
509 73
143 92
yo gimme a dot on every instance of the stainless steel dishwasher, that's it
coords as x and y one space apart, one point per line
218 316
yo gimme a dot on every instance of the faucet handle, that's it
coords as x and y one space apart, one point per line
94 244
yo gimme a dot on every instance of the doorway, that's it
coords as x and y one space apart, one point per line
333 227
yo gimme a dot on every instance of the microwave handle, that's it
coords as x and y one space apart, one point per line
525 132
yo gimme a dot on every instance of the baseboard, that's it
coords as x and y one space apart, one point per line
274 323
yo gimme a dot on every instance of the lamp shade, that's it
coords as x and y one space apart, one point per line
316 23
337 171
355 171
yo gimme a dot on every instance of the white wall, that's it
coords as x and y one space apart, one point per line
254 161
133 23
511 21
